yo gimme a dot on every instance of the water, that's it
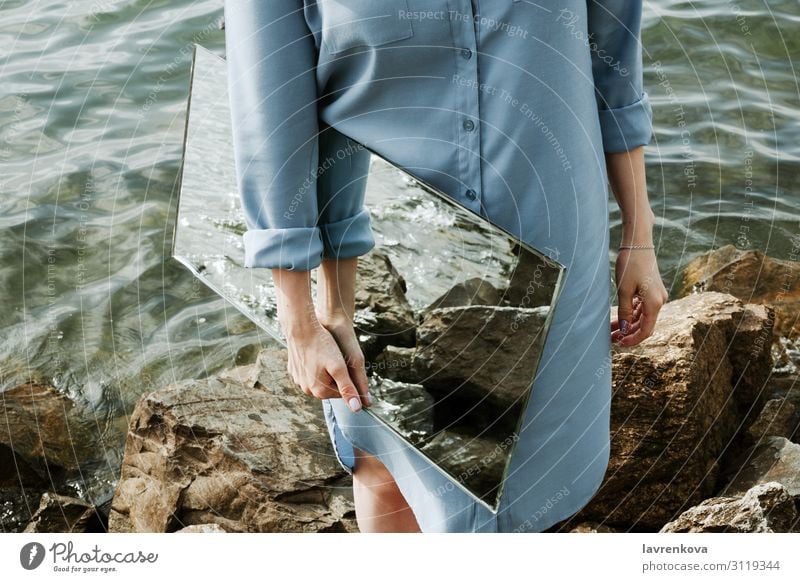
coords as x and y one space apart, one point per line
92 114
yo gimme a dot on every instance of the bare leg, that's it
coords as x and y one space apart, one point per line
380 506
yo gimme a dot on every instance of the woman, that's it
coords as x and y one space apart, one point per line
521 111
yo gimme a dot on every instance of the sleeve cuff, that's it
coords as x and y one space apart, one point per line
348 238
627 127
295 249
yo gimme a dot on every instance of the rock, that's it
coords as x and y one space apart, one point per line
777 418
787 389
45 441
17 471
246 450
753 277
43 427
592 527
21 488
476 462
679 400
474 291
483 350
772 459
396 364
60 513
532 281
766 508
406 407
382 308
202 528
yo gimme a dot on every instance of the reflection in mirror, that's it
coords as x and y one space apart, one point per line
451 311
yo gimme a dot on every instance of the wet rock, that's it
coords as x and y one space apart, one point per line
475 462
406 407
771 459
765 508
43 443
474 291
382 308
480 350
43 426
245 450
751 276
532 282
60 513
396 364
679 400
21 488
778 418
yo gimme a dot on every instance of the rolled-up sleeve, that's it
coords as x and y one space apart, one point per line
624 108
341 187
271 59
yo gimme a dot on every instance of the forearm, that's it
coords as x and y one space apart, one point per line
626 176
336 288
295 306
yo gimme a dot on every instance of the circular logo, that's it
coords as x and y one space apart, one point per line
31 555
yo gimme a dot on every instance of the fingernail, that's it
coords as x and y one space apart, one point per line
623 326
355 405
368 399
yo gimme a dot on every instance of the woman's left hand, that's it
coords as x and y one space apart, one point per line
641 294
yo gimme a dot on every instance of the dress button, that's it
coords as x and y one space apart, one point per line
466 53
468 125
471 194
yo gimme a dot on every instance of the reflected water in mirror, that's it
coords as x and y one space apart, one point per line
451 311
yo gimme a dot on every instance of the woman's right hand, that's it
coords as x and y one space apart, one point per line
317 365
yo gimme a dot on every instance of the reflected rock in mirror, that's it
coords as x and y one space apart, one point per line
451 311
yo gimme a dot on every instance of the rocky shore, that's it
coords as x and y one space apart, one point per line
705 425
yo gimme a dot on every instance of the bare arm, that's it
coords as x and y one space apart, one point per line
640 288
336 290
626 175
316 361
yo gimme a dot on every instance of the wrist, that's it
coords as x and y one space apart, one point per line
638 230
336 291
334 317
297 322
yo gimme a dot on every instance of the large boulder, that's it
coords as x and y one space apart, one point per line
44 426
765 508
382 308
532 281
753 277
473 291
679 400
245 450
779 417
771 459
44 443
486 349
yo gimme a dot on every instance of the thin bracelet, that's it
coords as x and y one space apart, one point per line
636 247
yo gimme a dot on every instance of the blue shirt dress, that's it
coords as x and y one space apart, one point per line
506 105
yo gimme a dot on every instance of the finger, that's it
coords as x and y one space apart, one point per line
647 323
348 390
616 335
359 375
325 387
625 309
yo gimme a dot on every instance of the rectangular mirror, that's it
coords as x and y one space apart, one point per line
452 311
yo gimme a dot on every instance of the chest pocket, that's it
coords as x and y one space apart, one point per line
349 24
